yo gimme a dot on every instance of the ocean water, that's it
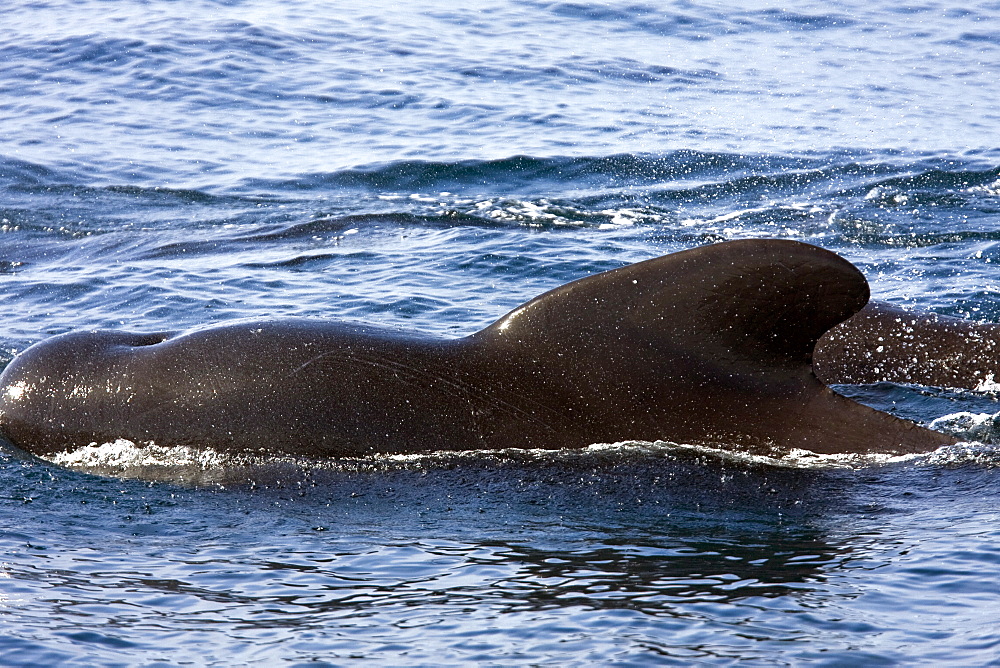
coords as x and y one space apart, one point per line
166 165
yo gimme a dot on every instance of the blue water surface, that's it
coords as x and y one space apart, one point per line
167 165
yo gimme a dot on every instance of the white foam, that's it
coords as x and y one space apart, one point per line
797 457
988 189
126 454
983 428
988 384
124 458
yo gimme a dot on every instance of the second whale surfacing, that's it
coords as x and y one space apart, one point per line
711 346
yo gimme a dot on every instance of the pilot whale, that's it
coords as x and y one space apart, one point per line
712 345
883 342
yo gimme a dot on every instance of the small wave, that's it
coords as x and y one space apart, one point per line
19 174
954 177
983 428
205 466
796 458
123 453
522 173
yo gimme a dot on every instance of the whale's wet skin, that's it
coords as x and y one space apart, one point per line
260 207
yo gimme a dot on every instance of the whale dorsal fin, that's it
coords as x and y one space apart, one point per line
757 304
